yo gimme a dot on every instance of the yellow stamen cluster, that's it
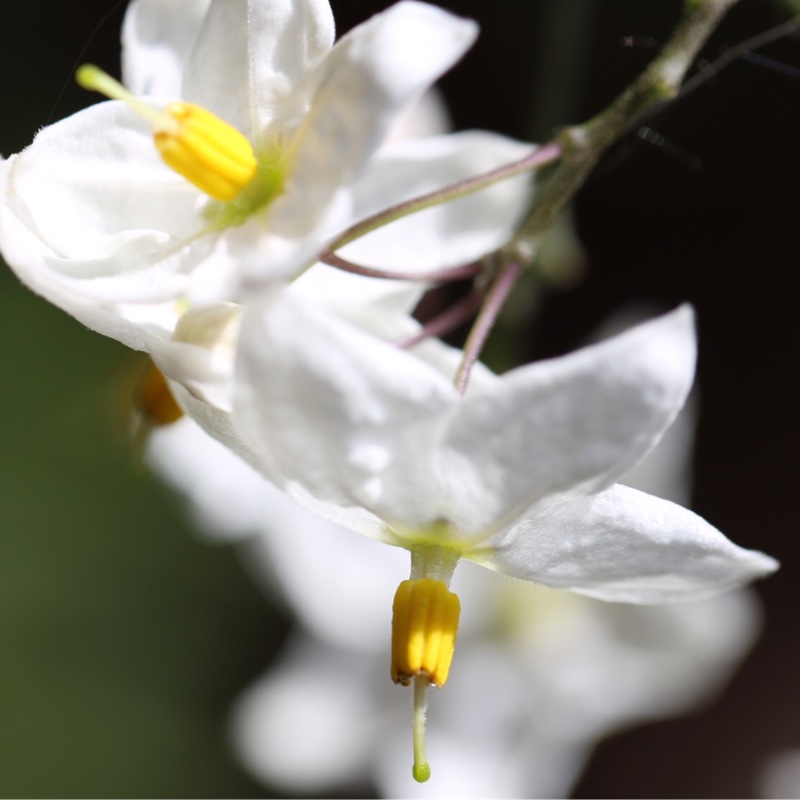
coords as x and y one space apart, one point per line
424 625
208 152
197 144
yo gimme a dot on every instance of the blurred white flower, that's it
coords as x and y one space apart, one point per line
780 776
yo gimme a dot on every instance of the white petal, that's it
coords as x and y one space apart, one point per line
310 721
92 218
201 352
446 235
253 58
369 77
227 499
338 411
666 471
216 422
627 546
339 584
428 116
575 423
157 37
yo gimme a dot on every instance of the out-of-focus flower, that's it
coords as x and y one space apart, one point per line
780 776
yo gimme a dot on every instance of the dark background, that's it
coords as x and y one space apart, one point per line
123 638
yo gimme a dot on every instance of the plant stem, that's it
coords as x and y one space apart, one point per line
495 299
446 275
581 147
448 320
539 157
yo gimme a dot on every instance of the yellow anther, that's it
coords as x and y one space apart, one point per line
424 625
155 401
210 153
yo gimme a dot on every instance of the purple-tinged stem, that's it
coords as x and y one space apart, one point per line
543 155
495 298
441 276
448 320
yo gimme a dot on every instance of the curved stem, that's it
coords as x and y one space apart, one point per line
441 276
539 157
448 320
488 316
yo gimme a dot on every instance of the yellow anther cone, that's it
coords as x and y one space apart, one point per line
424 625
208 152
197 144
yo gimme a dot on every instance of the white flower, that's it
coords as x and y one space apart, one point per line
519 475
95 220
540 674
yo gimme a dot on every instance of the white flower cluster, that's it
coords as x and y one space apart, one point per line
294 365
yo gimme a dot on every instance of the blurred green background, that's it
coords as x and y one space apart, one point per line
123 637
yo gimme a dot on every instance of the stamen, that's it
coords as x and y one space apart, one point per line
197 144
155 406
155 401
208 152
421 770
92 78
424 625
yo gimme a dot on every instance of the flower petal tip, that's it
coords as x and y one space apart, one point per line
763 565
455 34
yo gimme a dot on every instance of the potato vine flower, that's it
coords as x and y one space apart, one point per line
269 126
520 475
541 674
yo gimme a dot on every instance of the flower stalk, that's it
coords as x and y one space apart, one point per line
581 147
538 158
495 300
577 150
461 272
447 321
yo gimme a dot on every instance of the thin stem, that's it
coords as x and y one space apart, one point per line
421 769
582 145
741 49
448 320
441 276
90 77
539 157
496 297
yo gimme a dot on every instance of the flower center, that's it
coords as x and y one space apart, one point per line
208 152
